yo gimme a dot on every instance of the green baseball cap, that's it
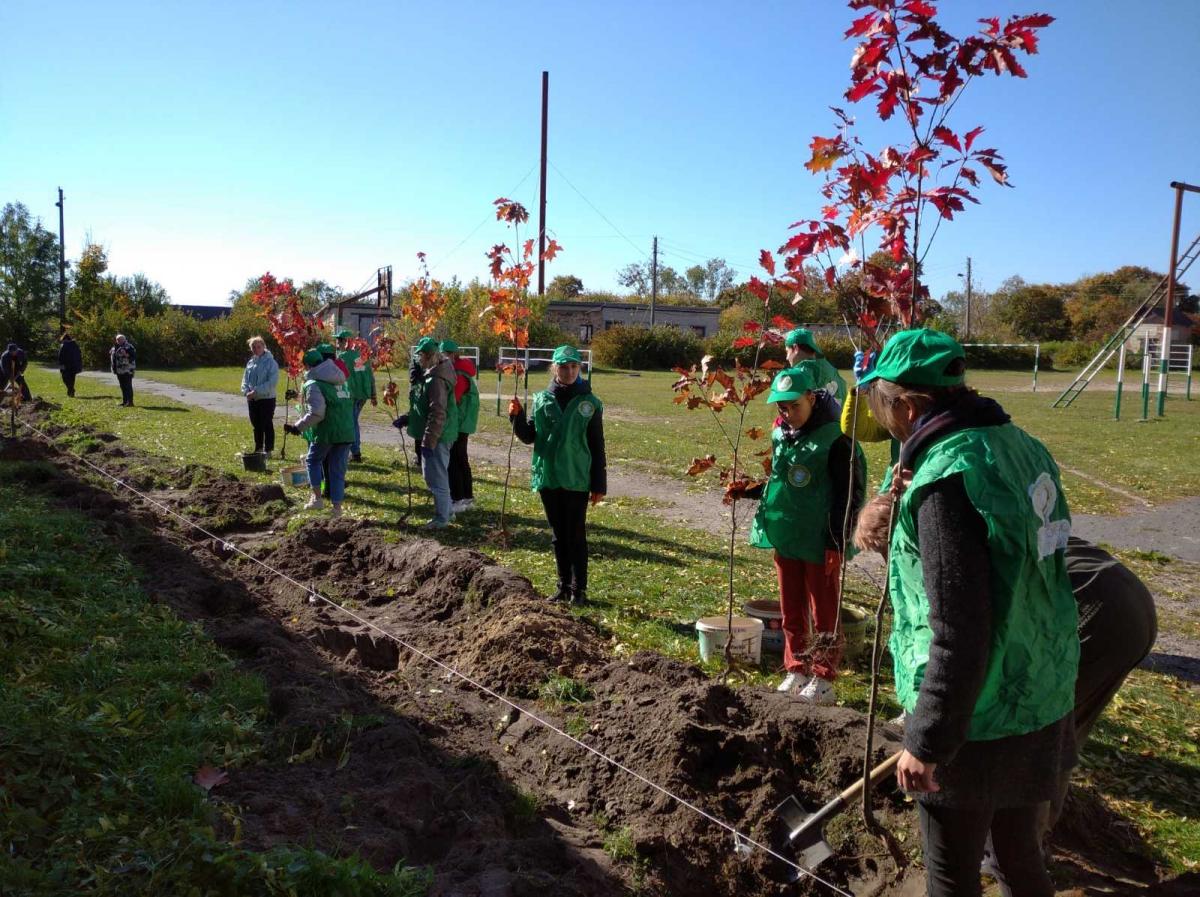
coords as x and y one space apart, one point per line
313 357
449 345
791 384
565 354
918 358
427 344
344 333
802 336
326 350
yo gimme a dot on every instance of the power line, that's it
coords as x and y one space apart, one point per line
486 218
742 842
592 205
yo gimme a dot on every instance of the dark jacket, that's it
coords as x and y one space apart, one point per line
526 432
123 356
70 359
12 363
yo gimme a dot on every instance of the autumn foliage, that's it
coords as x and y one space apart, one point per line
293 331
426 301
511 273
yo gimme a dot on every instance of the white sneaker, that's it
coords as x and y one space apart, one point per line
817 691
900 720
459 506
315 503
335 511
468 503
792 682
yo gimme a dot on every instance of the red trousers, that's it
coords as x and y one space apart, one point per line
808 596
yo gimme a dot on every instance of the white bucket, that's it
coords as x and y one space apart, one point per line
771 614
747 637
294 476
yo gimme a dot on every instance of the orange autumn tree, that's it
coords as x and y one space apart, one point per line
508 304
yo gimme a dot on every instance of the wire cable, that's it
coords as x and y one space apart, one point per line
638 249
742 842
486 218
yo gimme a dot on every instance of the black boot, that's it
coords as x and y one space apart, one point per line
579 596
562 594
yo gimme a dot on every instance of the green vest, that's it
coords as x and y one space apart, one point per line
830 380
362 381
338 424
1013 483
468 406
418 413
793 514
561 457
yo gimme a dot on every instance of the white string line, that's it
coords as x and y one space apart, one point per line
741 841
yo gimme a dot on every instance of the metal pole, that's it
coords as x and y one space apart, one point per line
542 202
1164 352
1145 386
1120 382
653 280
62 266
1037 355
1188 394
968 321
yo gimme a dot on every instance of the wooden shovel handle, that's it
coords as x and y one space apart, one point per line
878 774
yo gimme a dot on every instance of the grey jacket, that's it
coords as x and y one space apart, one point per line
327 372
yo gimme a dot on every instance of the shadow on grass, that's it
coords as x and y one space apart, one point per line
1178 665
1164 783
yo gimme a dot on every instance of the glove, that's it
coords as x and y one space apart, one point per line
515 409
289 395
401 422
863 362
291 428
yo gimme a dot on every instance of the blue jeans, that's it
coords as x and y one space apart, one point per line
435 465
356 448
339 456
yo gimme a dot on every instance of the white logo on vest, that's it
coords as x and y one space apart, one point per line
587 409
1052 534
799 476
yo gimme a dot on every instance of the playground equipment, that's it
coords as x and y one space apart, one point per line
1037 353
518 362
1179 361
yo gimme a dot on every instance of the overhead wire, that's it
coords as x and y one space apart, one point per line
742 842
486 218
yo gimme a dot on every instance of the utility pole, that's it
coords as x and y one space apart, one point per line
62 267
1164 352
542 203
653 280
967 326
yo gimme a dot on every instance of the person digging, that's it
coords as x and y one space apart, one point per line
327 425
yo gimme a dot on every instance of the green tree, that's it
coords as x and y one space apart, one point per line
145 295
564 287
1032 311
28 277
707 281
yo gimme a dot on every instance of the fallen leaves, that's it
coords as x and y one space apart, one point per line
209 777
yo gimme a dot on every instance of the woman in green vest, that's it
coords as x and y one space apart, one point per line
984 637
328 425
361 383
567 434
466 396
799 346
806 511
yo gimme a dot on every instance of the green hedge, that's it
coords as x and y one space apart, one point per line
1002 358
172 339
646 348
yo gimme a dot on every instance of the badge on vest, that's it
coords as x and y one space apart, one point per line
1052 534
587 409
799 476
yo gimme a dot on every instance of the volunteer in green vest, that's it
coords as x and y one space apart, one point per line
984 637
432 422
806 513
799 346
567 434
362 383
328 425
466 396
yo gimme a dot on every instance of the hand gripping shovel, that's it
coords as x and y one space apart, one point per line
807 833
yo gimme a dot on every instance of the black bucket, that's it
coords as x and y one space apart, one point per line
255 461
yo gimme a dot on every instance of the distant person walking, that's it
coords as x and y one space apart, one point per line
466 395
70 362
12 368
122 360
258 386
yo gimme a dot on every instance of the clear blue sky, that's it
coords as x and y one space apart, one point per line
205 143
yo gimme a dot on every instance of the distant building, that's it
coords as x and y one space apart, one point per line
205 312
1149 332
364 311
584 320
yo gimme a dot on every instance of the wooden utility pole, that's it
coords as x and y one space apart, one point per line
62 267
653 279
542 202
967 325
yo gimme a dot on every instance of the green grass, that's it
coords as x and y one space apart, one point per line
103 728
651 580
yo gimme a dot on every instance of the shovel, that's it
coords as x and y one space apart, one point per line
807 833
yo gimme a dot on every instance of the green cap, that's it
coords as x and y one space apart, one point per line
313 357
344 333
326 350
427 344
449 345
791 384
564 354
918 358
802 336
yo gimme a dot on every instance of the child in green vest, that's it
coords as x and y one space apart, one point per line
567 434
806 510
799 346
328 425
984 637
361 383
466 395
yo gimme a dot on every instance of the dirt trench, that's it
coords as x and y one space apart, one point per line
391 757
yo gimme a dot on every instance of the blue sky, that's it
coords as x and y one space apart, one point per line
205 143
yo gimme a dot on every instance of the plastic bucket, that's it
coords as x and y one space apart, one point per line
772 619
255 461
854 630
714 633
294 476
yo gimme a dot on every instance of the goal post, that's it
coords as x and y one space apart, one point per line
518 361
1036 347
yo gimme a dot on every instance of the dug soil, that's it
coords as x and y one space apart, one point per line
381 751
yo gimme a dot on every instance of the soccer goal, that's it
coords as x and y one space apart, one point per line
1036 347
517 362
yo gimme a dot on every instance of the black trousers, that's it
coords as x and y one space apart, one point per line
262 419
126 381
461 482
566 510
68 378
953 840
20 381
